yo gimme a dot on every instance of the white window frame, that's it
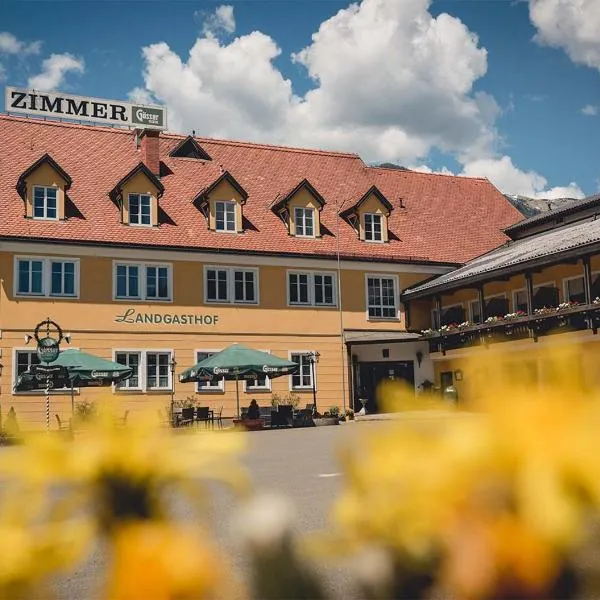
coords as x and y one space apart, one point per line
514 298
45 188
566 279
46 277
169 386
251 389
481 310
143 295
219 388
304 209
143 387
126 387
139 215
227 203
381 220
311 289
231 285
53 391
313 373
396 295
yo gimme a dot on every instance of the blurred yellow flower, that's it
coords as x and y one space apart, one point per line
498 497
159 561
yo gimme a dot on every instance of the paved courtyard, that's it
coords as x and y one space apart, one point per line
299 463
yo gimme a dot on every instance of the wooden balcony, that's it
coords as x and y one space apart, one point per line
575 318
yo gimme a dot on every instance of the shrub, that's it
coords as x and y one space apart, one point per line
188 402
85 410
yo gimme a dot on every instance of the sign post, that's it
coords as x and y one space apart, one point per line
48 349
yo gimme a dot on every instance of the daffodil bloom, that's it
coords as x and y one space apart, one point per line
497 499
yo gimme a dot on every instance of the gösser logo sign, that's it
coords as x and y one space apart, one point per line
81 108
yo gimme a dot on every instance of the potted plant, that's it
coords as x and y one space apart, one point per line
85 412
330 417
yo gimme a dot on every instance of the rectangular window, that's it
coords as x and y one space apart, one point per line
62 278
158 376
381 297
46 277
157 283
303 378
575 290
225 216
208 386
475 310
24 359
45 202
304 221
130 359
520 301
138 281
128 281
31 277
139 209
373 227
260 384
231 284
312 289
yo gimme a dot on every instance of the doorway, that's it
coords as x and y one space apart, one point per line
371 374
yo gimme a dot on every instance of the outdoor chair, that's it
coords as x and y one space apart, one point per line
62 426
283 416
187 417
265 414
218 417
123 420
203 414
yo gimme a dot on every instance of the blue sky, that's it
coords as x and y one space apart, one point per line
509 90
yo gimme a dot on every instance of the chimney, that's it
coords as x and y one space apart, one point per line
149 144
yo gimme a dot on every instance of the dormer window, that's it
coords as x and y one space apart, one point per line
137 196
373 227
304 222
300 210
225 216
222 204
369 216
43 187
140 209
45 202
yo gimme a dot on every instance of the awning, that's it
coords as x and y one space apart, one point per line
379 337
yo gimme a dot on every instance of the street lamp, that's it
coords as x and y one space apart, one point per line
313 357
172 366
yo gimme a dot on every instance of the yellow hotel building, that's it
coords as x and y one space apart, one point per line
148 247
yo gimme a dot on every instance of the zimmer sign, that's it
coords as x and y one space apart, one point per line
82 108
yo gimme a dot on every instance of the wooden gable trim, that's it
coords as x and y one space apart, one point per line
280 205
45 159
189 148
345 214
115 193
202 197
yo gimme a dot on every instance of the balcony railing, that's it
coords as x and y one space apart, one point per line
545 321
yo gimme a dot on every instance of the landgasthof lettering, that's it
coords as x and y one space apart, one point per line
132 317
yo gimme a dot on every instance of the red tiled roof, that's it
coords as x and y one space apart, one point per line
444 219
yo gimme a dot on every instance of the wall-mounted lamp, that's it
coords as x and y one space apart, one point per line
27 338
68 337
458 375
419 356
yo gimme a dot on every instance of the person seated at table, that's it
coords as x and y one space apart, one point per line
253 411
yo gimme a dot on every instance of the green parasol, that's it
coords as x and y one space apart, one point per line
238 362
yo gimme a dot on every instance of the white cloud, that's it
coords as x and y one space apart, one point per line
220 20
391 82
140 96
572 25
54 70
589 110
9 44
511 180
